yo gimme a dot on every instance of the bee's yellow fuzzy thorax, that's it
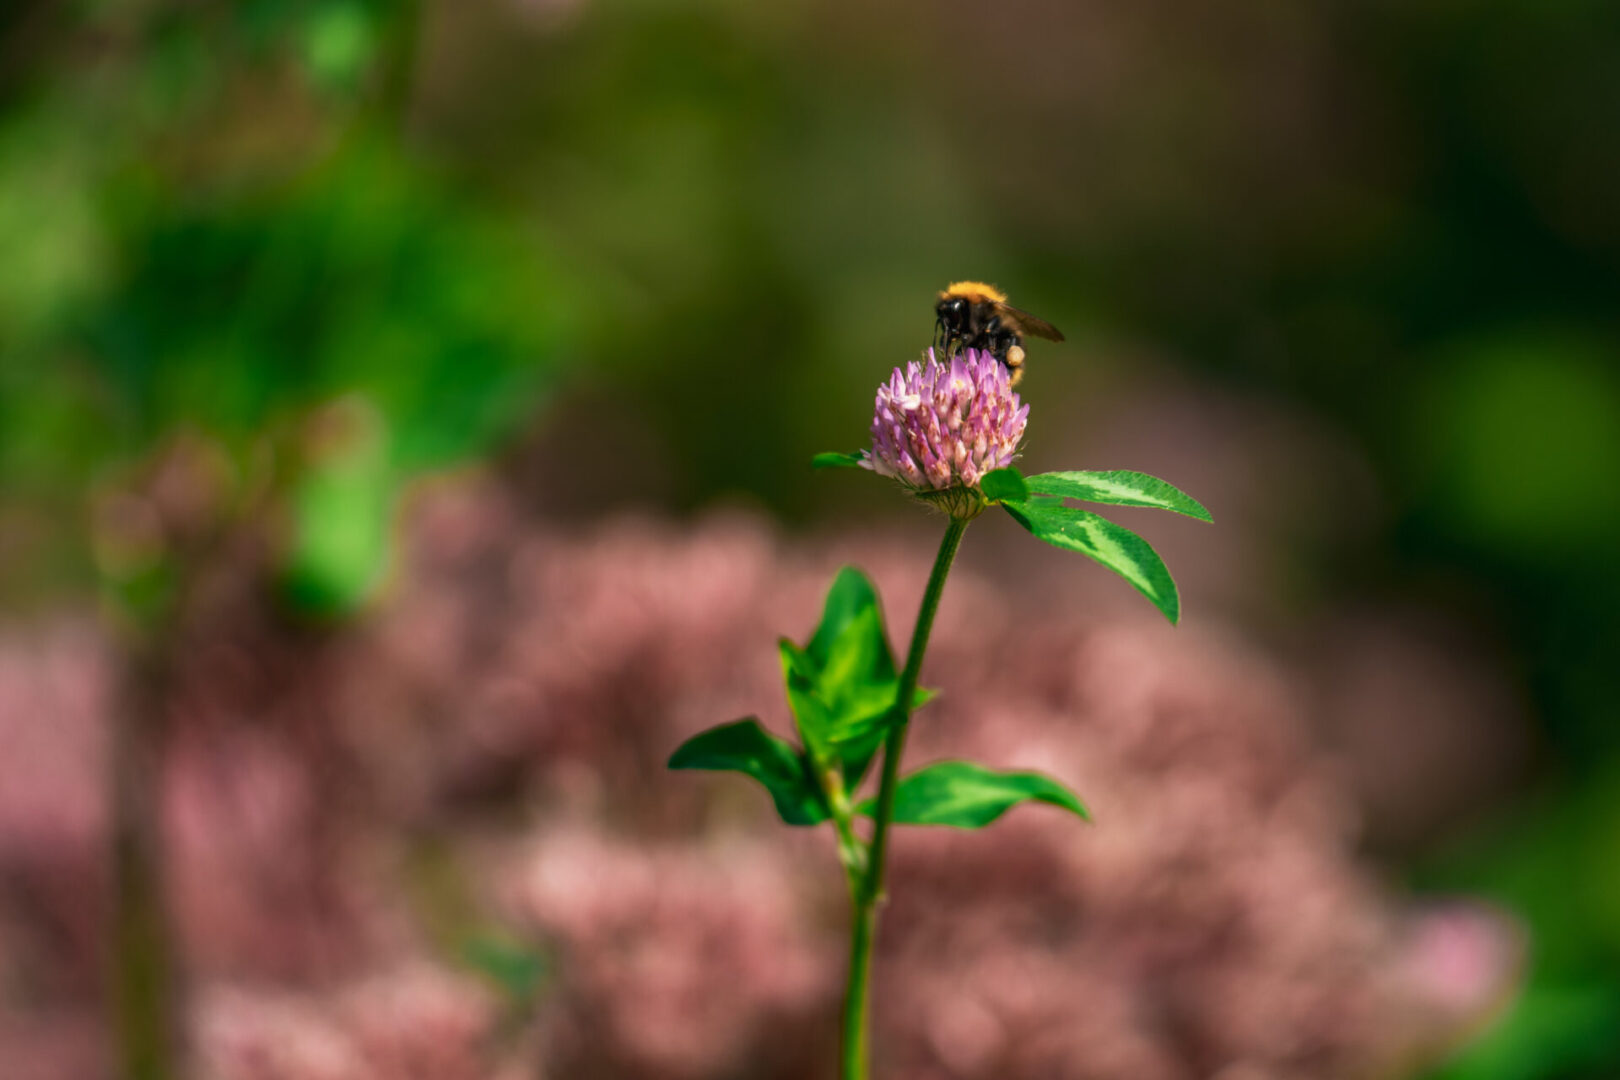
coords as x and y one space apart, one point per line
975 290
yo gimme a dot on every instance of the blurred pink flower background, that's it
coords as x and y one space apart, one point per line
358 817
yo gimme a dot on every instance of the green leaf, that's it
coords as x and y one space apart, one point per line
842 711
1115 546
851 611
969 796
1000 485
858 745
832 459
843 684
516 968
342 527
1119 488
747 748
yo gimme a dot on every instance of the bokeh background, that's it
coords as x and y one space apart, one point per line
405 410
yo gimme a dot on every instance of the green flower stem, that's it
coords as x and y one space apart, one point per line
864 925
870 889
896 742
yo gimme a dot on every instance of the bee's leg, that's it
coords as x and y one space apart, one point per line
993 338
995 341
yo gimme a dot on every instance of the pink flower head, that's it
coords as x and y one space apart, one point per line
941 426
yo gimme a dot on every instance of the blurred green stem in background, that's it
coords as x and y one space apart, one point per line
869 890
145 600
145 994
294 329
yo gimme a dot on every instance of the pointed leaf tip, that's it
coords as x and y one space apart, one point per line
842 684
834 459
1119 487
849 599
966 795
1114 546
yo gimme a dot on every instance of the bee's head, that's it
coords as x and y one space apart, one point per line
951 312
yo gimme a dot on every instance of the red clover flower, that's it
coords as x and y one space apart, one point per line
939 426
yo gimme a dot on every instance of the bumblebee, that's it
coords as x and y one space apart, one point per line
973 315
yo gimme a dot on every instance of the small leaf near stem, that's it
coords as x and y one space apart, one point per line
1003 485
834 459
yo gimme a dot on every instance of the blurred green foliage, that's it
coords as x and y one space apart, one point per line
329 313
343 242
1555 860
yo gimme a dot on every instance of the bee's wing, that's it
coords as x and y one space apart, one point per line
1029 324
